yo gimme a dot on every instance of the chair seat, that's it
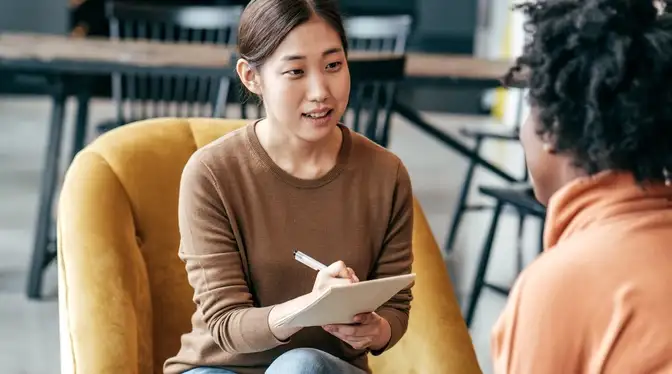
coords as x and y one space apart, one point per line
520 196
499 133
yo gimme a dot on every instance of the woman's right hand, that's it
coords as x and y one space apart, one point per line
334 274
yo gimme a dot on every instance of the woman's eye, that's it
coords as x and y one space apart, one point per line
334 66
294 72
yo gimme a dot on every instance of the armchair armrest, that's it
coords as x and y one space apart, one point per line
104 301
437 340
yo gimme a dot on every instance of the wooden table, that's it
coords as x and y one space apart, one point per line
58 56
81 55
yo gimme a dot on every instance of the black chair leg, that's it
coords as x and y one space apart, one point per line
385 132
479 280
42 256
242 100
541 235
371 129
462 202
520 264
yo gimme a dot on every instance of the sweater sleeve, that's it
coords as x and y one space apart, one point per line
214 267
396 257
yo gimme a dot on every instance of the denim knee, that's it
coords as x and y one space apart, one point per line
208 370
309 361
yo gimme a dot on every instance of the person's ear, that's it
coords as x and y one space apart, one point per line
249 76
548 148
549 144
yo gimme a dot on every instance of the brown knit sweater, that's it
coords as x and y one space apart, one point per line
241 217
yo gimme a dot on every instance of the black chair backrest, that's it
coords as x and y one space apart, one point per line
377 33
372 95
387 33
141 96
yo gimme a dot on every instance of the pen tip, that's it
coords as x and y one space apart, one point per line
295 251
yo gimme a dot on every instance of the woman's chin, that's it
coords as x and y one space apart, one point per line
317 132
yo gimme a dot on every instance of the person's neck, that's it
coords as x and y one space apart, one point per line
566 175
297 157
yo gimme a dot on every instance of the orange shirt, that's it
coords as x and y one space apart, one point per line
599 300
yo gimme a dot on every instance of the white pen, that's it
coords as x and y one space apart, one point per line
308 261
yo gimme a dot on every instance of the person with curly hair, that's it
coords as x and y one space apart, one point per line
598 145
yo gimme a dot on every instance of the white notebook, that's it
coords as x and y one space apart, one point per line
340 304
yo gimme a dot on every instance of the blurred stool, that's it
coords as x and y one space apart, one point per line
521 198
479 136
498 133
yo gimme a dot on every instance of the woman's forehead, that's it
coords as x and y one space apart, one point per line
313 39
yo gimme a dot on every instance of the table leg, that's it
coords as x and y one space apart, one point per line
81 122
415 119
42 256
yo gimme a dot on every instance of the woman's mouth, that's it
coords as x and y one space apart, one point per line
318 115
318 118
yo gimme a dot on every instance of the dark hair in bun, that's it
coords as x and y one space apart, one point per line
599 74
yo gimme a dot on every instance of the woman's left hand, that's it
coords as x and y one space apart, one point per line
369 331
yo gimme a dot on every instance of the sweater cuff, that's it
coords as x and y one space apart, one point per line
256 332
398 322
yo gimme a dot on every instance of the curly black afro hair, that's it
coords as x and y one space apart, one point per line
599 74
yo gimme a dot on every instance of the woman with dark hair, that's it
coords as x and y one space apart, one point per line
296 179
598 144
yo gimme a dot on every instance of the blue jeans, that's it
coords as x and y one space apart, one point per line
208 370
297 361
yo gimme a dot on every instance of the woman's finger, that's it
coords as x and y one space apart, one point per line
355 342
364 318
354 331
353 276
361 345
337 270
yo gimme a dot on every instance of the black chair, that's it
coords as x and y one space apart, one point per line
479 136
373 92
378 33
388 33
521 198
139 97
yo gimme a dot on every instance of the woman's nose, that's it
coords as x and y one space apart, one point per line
318 91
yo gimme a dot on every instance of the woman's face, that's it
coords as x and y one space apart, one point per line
305 84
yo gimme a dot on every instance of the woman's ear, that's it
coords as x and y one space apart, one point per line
249 76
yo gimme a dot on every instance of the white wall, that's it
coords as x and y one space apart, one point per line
491 27
501 37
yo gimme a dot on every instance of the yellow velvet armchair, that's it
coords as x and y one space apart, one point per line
124 299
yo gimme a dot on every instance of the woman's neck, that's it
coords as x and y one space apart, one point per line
297 157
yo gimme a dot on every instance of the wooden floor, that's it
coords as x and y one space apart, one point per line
29 329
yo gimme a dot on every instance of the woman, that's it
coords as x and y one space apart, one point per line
598 144
296 179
